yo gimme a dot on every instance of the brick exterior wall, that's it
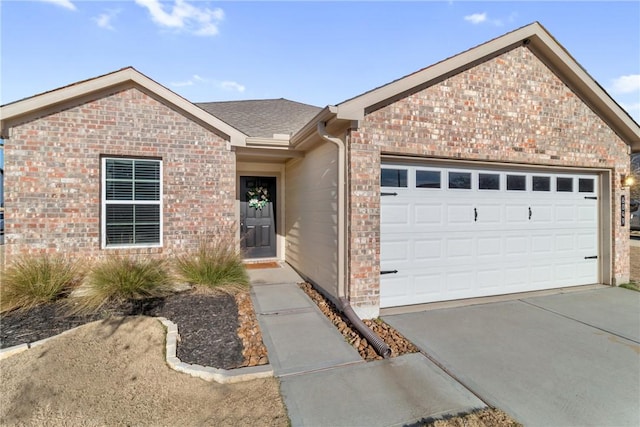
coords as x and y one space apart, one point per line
52 175
509 109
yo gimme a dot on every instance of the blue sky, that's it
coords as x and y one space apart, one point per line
314 52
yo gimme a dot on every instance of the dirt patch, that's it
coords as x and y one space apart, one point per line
112 372
399 345
635 263
484 418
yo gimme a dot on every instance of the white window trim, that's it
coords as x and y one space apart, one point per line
103 204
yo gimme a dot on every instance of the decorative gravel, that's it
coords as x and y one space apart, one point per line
399 344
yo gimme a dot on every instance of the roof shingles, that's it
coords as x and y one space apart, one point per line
262 118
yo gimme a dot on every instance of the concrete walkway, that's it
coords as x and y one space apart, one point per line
325 382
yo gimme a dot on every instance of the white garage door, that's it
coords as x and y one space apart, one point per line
451 233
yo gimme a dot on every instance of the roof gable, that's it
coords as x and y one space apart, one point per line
541 43
10 113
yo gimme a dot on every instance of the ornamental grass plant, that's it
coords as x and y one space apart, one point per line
118 279
216 266
32 280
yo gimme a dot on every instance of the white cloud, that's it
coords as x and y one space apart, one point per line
230 85
626 84
67 4
182 84
104 19
227 85
483 18
184 17
476 18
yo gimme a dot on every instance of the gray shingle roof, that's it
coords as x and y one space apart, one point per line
263 117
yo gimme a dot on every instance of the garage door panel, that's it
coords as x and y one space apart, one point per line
460 281
517 214
516 245
395 250
459 248
460 214
429 214
489 213
587 242
489 247
427 249
565 242
490 279
394 214
565 272
542 243
428 286
469 242
542 215
514 277
587 215
565 213
541 275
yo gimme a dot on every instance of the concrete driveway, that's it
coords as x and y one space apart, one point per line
568 359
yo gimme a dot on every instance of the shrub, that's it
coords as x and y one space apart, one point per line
118 279
215 265
37 279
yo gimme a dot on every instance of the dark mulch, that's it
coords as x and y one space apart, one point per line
207 325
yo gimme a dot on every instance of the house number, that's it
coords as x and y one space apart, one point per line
623 210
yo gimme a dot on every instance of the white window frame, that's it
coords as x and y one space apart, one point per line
104 202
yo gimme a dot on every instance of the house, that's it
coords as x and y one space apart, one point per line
499 170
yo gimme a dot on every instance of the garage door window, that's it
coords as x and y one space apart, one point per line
541 183
488 181
516 182
393 178
585 185
460 180
564 185
427 179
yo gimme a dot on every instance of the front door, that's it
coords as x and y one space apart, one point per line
257 216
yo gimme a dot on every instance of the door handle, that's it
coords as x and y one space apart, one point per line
475 214
529 212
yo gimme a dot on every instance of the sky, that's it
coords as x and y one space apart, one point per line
319 53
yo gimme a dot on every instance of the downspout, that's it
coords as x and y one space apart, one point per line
378 344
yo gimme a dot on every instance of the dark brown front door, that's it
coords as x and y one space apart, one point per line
257 216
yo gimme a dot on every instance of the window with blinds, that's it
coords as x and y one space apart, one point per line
131 202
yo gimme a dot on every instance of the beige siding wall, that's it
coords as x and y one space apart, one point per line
311 216
52 175
510 109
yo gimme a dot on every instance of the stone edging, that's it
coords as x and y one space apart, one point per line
222 376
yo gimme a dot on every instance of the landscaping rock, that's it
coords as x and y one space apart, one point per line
254 350
399 345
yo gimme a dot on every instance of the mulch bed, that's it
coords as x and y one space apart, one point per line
208 326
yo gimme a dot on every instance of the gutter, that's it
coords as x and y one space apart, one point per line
378 344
